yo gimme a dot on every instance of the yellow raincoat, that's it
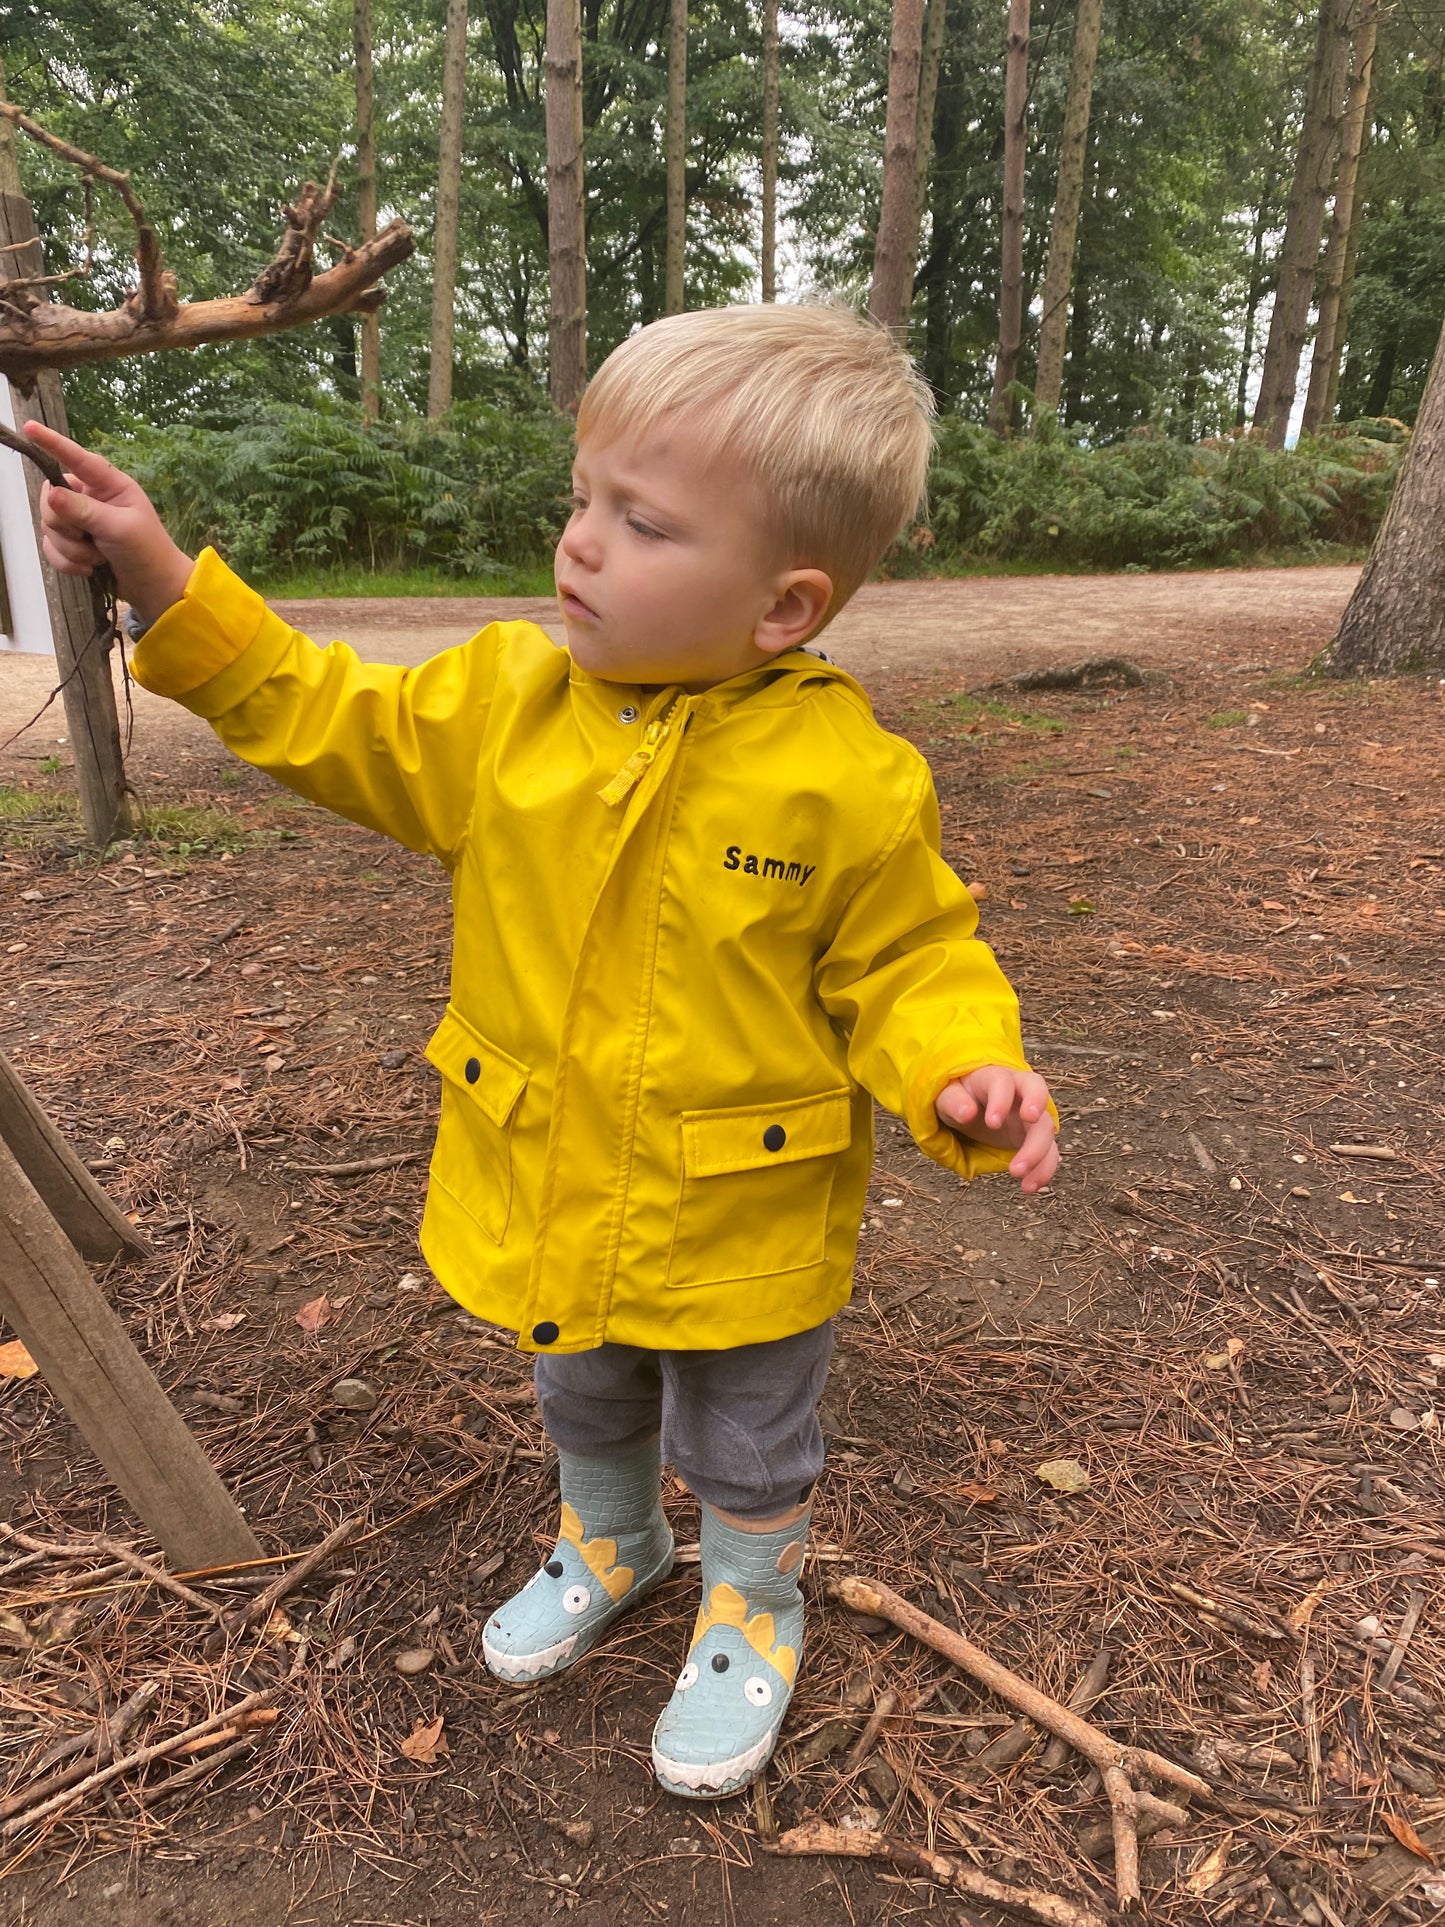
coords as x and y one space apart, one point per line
671 1006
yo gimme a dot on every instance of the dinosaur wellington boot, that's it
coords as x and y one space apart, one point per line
613 1546
718 1730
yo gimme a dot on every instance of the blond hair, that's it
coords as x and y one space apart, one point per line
824 410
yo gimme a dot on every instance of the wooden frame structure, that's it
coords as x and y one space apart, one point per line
53 1215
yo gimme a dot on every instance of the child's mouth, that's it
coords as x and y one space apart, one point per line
573 605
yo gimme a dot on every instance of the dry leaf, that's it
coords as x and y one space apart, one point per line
315 1313
1263 1673
1270 904
1210 1870
425 1742
224 1321
1064 1475
1217 1361
16 1362
976 1494
1304 1612
1407 1836
1348 1197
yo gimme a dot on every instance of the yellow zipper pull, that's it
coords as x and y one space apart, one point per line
638 763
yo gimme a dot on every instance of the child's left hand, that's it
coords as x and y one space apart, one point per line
1004 1107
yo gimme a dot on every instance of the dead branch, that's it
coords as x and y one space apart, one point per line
1118 1765
122 1555
264 1604
142 1756
100 1742
1020 1737
816 1836
36 334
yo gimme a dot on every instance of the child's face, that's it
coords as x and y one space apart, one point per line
665 572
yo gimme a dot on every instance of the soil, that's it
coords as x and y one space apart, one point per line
1219 894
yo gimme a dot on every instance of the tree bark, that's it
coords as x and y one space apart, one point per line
566 240
366 202
1255 296
1347 285
448 221
769 263
1395 621
896 247
676 157
1068 199
1299 254
1011 279
84 671
1329 337
934 33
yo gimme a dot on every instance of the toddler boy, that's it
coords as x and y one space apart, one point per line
701 923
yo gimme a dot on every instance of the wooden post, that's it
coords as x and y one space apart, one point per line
108 1390
93 1222
84 672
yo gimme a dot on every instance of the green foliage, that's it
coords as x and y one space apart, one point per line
1150 500
300 488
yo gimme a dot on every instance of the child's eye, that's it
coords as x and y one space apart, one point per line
645 530
576 503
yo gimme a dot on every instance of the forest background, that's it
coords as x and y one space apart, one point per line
1197 117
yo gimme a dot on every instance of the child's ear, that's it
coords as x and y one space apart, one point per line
798 608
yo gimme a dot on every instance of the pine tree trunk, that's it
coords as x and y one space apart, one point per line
566 241
1329 336
1011 280
1395 621
370 324
448 221
1299 254
934 33
1347 285
896 248
676 150
1068 199
769 264
1256 295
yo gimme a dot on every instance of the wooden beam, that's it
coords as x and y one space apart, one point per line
107 1389
93 1222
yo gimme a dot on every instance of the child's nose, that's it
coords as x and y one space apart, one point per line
580 543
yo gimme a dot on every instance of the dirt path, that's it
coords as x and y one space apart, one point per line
961 633
1220 896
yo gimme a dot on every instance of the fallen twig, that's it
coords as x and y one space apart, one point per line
262 1606
816 1836
104 1738
357 1166
121 1555
142 1756
1231 1615
1117 1764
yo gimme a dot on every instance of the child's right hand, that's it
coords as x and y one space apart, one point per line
105 516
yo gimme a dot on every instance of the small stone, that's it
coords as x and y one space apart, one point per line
1236 1184
581 1833
354 1395
393 1060
683 1843
415 1660
1404 1420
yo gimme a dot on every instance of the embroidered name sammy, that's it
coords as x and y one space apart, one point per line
767 866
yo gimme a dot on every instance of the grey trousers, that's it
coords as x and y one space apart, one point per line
740 1427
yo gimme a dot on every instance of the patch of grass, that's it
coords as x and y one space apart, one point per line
186 829
1228 718
22 809
975 714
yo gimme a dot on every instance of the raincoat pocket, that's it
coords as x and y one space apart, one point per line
481 1087
756 1188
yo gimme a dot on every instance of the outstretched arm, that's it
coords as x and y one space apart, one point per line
105 516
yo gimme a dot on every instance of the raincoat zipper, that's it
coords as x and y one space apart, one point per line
642 758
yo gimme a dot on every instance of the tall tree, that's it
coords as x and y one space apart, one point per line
1011 277
1299 253
448 218
1395 621
676 157
370 325
566 234
896 247
934 33
769 262
1068 198
1329 335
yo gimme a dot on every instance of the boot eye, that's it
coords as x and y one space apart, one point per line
757 1692
687 1677
576 1599
554 1568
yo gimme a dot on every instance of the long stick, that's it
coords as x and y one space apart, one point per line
105 1738
261 1607
142 1756
815 1836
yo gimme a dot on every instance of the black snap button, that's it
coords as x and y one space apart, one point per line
473 1070
546 1333
720 1662
554 1568
774 1138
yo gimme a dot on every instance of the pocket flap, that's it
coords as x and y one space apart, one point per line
746 1140
465 1058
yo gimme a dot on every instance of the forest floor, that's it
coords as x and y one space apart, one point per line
1220 895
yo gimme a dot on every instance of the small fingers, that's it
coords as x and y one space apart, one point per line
1038 1152
90 470
1000 1099
956 1104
